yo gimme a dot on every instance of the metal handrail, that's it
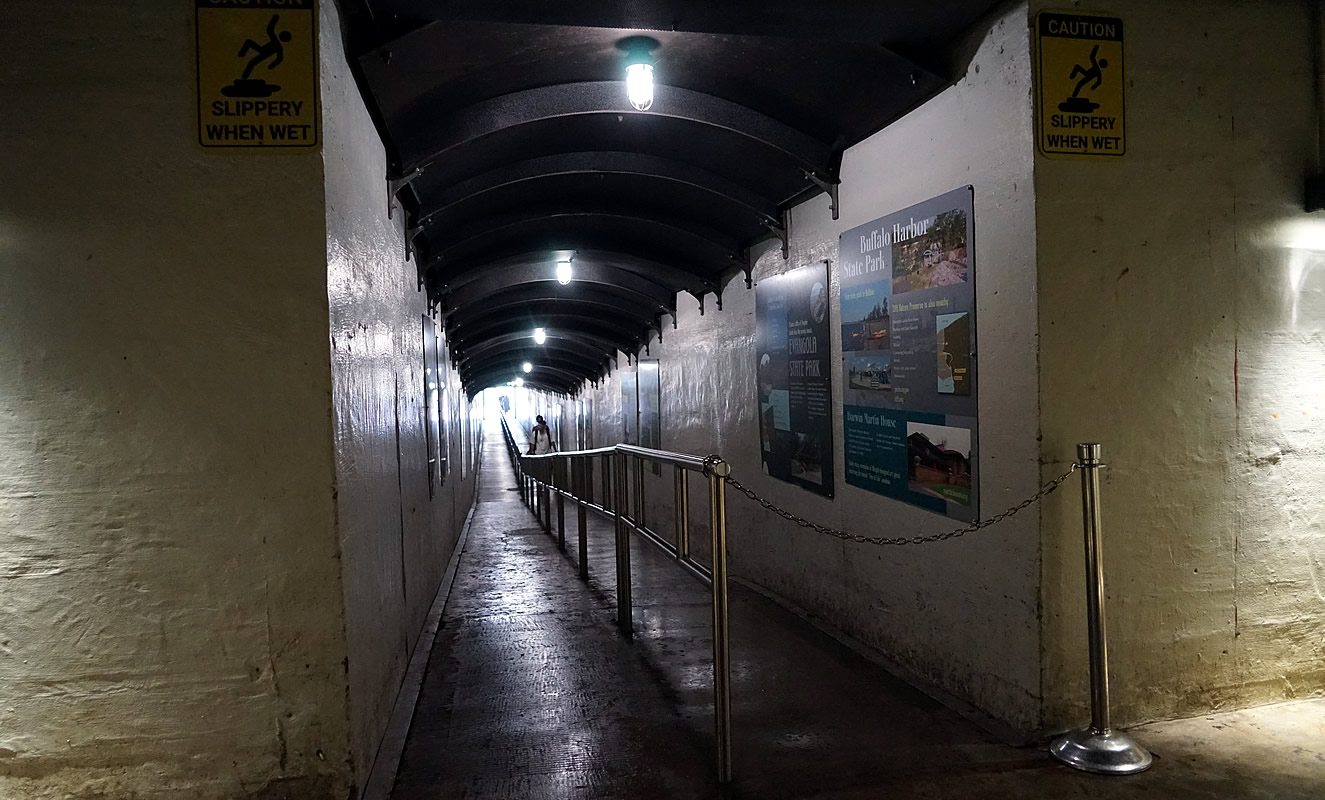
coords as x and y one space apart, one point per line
570 475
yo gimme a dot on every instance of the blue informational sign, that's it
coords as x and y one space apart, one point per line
908 355
794 378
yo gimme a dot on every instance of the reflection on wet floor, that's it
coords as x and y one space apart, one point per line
532 693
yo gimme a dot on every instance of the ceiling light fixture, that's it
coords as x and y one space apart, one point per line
564 272
527 367
540 335
639 70
518 381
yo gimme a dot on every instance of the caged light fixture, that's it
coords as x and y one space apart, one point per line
639 70
564 272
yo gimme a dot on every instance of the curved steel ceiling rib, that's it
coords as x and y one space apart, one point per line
520 175
584 299
680 234
531 239
450 128
573 370
581 353
652 269
623 330
462 353
495 281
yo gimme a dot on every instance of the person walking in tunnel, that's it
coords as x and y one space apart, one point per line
541 438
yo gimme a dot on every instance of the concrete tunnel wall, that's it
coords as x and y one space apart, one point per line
212 574
1182 306
395 539
1116 302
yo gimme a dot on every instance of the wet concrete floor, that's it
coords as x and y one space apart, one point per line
532 693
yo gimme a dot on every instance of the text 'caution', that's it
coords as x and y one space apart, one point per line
1080 85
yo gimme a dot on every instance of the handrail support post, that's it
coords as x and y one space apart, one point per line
624 611
1099 748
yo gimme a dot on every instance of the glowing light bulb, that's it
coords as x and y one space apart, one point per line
564 272
639 85
527 367
518 381
540 335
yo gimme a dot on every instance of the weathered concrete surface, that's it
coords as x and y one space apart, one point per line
1182 305
532 694
169 583
395 538
172 620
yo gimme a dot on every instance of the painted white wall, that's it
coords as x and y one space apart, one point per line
205 511
1182 307
963 614
170 607
395 539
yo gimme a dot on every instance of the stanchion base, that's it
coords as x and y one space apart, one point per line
1110 753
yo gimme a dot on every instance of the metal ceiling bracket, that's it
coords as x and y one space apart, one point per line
828 186
780 231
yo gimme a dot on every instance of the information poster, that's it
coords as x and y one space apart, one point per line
629 408
908 355
794 378
650 409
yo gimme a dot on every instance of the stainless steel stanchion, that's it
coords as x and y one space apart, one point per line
639 493
624 612
1098 748
561 505
545 503
682 506
586 467
582 513
722 699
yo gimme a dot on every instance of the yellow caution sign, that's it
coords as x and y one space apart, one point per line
257 74
1080 85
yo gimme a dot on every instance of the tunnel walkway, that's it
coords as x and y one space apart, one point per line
531 693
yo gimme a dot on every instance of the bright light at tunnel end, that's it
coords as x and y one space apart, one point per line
564 272
540 335
527 367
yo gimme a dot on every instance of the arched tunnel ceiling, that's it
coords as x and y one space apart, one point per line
511 145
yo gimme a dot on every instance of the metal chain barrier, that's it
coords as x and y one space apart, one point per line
1044 491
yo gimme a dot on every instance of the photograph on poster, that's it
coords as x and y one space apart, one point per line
865 321
939 461
818 302
807 463
954 353
931 252
870 370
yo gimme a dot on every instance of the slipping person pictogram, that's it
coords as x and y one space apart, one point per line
1095 72
274 49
